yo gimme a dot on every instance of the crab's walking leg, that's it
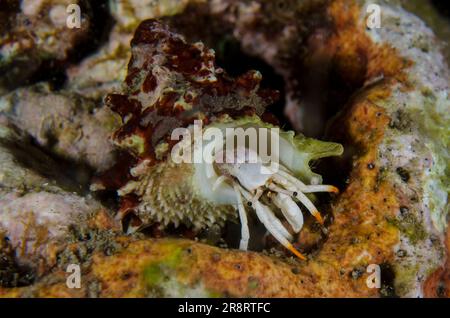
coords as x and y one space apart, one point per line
265 219
269 215
321 188
258 194
245 235
121 215
307 188
310 206
277 189
218 182
300 196
290 210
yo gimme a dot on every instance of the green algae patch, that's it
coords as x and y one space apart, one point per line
410 226
163 278
156 272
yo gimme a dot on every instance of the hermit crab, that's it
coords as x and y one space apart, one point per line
172 85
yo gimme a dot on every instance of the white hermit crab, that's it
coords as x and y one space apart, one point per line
239 175
211 191
170 84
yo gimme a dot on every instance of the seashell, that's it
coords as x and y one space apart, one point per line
172 84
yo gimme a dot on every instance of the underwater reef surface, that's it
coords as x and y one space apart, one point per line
380 93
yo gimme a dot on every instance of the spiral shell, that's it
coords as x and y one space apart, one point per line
170 84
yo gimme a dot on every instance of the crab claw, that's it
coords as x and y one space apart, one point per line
274 226
290 210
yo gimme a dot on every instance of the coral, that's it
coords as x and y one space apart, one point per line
35 33
40 206
181 268
104 71
66 124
